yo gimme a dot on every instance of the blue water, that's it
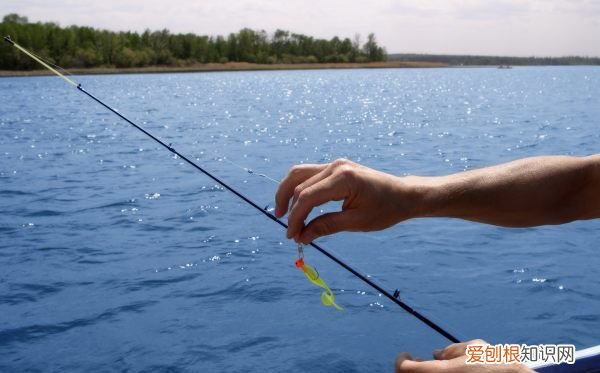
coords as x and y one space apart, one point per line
114 256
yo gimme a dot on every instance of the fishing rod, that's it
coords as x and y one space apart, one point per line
395 297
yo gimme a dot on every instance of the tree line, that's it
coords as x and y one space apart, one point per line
466 60
80 46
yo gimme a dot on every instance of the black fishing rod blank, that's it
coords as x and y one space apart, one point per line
393 297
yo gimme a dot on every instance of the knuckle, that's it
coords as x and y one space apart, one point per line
347 172
444 354
303 196
477 342
322 229
295 170
339 162
297 192
298 170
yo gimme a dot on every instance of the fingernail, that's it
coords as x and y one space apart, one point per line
437 353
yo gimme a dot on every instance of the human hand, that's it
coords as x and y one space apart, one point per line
373 200
452 359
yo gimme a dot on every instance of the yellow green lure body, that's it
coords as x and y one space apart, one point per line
327 297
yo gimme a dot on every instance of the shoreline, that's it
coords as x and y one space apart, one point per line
229 66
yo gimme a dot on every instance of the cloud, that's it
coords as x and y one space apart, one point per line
514 27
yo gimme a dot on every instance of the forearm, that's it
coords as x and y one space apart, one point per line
527 192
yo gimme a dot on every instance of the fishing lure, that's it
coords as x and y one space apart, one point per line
327 297
311 274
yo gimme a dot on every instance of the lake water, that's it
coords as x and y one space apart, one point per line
114 256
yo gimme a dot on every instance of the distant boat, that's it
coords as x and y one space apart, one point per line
505 67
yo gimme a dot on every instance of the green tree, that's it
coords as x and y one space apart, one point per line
15 18
81 46
373 51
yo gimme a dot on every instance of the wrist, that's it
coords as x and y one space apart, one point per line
425 195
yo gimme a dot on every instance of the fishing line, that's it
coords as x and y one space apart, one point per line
393 297
248 170
64 71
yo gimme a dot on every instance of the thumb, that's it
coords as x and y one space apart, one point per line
329 223
456 350
405 364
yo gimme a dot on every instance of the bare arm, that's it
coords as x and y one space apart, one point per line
527 192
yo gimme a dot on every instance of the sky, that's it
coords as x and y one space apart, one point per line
486 27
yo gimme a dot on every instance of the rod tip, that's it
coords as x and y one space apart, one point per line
9 40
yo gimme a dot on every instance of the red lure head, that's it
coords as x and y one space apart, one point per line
299 263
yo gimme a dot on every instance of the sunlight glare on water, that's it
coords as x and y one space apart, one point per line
116 255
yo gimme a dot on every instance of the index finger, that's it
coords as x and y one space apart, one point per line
295 176
455 350
406 364
328 189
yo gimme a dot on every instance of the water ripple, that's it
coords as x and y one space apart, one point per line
96 217
35 332
43 213
8 193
